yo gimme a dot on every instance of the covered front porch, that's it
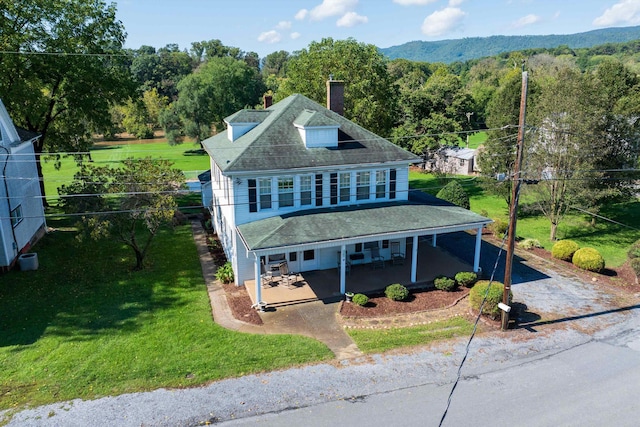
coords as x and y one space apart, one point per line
362 278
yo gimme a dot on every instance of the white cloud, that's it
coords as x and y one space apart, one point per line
454 3
283 25
623 12
270 37
442 21
330 8
295 35
302 13
526 20
351 19
414 2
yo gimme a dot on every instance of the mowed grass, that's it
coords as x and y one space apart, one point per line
187 157
85 325
380 340
610 239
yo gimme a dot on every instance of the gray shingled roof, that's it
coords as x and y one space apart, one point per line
275 143
310 118
247 116
421 214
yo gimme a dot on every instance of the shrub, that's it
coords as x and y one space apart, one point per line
588 259
498 227
466 278
396 292
454 193
635 265
634 251
529 244
444 283
360 299
225 273
490 308
564 250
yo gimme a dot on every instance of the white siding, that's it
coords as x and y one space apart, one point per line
319 137
236 130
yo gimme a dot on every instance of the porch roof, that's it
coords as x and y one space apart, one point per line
421 214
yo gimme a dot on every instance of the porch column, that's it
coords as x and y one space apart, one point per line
476 257
414 259
343 269
258 280
434 240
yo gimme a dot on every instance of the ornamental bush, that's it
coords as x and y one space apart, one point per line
498 227
634 251
466 278
564 250
454 193
360 299
445 283
588 259
396 292
477 293
529 244
225 273
635 265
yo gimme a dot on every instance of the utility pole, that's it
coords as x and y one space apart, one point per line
469 114
513 206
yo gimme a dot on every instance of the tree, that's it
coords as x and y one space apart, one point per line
454 193
129 203
370 96
275 64
161 70
218 88
67 70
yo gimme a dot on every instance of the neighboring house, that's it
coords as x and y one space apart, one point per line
454 161
205 189
299 182
22 220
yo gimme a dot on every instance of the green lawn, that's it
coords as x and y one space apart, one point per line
84 325
610 239
187 157
379 340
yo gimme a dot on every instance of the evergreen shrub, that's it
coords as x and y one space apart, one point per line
588 259
564 250
396 292
360 299
477 293
466 278
454 193
445 283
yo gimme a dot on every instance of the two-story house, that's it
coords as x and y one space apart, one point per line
22 220
299 182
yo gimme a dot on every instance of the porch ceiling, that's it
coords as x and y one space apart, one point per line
421 214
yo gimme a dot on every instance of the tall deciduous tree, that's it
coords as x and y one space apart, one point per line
129 203
62 68
370 97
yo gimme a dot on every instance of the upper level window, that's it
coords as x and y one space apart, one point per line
265 193
363 182
16 216
345 187
461 162
381 184
285 191
305 190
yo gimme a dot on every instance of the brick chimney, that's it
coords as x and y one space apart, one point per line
268 101
335 95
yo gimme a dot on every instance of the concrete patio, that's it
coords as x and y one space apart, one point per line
325 284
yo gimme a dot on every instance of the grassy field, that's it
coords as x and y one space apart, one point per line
187 157
610 239
84 325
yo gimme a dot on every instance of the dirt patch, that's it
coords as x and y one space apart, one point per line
240 304
418 301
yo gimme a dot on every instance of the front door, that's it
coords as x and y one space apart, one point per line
309 261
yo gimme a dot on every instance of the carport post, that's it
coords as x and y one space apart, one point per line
414 259
343 269
476 256
258 280
434 240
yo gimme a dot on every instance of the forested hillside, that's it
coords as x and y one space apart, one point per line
448 51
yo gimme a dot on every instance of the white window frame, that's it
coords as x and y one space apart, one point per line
285 192
381 184
344 187
16 216
306 187
264 191
363 185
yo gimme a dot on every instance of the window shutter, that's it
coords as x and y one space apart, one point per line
334 188
253 202
392 184
319 189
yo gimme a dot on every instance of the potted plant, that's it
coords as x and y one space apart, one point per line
348 296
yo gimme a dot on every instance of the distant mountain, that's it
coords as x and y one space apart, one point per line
449 51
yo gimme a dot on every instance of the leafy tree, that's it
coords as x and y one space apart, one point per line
65 89
275 64
136 120
129 203
161 70
154 104
454 193
218 88
369 94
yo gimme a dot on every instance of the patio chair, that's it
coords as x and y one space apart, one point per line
377 260
288 278
266 277
397 257
347 264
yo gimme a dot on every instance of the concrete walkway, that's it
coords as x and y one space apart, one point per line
315 319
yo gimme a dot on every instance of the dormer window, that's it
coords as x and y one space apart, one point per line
316 129
243 121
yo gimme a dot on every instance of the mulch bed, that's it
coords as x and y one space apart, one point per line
240 304
418 300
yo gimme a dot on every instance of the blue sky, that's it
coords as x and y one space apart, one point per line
265 26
